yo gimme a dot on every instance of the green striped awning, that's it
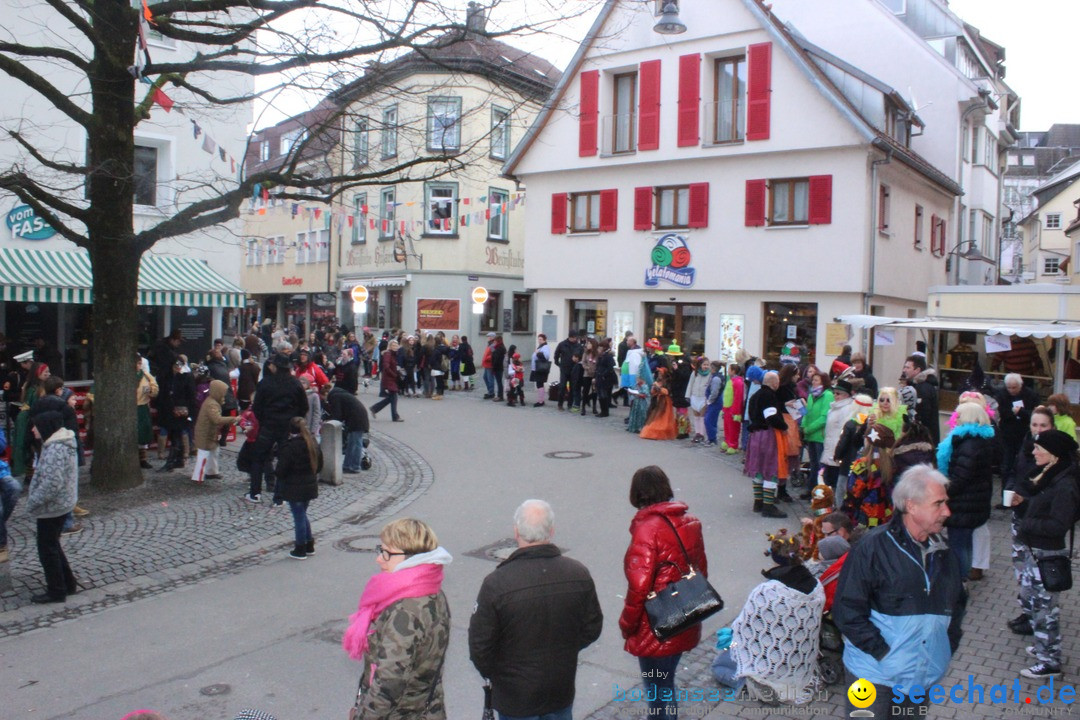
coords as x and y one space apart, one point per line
64 277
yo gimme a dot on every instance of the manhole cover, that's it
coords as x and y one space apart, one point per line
219 689
357 543
568 455
497 551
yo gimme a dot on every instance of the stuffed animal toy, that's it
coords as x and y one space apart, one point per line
821 504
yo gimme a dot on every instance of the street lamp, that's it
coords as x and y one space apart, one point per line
972 254
669 23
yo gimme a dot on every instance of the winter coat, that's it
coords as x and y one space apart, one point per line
54 487
849 444
909 454
817 413
403 665
1065 424
697 390
837 416
533 615
680 381
210 422
1050 507
870 383
1013 426
564 357
388 373
348 410
279 398
652 562
607 377
5 471
926 409
468 364
1025 463
544 351
176 390
966 457
249 379
220 371
498 357
299 482
900 615
765 410
147 389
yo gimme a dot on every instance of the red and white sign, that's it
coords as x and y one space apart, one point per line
359 294
479 295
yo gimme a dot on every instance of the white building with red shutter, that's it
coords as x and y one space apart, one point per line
721 188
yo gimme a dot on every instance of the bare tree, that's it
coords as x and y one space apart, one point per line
91 73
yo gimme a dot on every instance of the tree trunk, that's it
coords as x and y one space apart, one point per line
114 256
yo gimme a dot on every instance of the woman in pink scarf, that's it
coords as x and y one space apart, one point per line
402 627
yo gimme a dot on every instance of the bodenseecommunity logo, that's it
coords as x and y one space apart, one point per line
862 694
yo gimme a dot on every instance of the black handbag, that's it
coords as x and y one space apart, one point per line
1056 570
683 603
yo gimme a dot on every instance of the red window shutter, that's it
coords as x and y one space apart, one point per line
755 203
643 208
609 210
689 100
589 108
820 199
758 91
558 213
941 237
649 105
934 234
698 216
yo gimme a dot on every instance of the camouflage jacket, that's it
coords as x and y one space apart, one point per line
403 664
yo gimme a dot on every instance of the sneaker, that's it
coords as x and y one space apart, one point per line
1030 650
279 503
731 451
80 512
77 527
253 499
1021 619
214 476
44 598
771 511
298 553
1040 671
1022 628
310 547
399 419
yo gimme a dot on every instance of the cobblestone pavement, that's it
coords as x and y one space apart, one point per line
170 532
988 651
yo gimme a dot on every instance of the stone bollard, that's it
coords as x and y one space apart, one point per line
333 452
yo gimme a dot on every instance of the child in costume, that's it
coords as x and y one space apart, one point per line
869 490
733 404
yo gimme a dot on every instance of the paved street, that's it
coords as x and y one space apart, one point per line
193 608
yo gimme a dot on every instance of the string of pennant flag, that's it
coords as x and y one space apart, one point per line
262 204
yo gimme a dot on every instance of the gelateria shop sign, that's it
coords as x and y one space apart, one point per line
670 262
24 224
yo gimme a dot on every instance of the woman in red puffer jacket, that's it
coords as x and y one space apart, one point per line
654 560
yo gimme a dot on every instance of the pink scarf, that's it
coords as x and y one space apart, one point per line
382 591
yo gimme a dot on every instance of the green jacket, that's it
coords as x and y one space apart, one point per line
817 410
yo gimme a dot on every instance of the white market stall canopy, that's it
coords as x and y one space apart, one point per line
990 327
65 277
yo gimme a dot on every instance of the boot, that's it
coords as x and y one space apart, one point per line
299 552
185 451
758 504
143 462
310 547
771 511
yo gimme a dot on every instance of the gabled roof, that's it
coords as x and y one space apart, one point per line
315 148
1058 183
797 53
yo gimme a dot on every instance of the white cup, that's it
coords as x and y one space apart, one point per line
1007 498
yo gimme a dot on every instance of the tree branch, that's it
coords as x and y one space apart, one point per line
80 23
51 164
20 184
46 89
46 52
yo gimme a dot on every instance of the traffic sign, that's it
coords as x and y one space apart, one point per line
360 294
479 295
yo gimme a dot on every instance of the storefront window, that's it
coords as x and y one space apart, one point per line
522 312
791 325
394 303
680 323
590 316
489 321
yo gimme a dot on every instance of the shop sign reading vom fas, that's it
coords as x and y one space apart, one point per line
26 225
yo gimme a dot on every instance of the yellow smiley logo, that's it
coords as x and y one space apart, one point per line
862 693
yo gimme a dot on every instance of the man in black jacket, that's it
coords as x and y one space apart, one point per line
926 410
279 397
347 409
1015 403
765 413
533 615
564 358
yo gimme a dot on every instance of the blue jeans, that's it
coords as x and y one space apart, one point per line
814 450
301 526
960 545
354 451
10 489
658 676
712 419
565 714
489 381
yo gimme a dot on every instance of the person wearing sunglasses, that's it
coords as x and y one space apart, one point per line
402 627
889 411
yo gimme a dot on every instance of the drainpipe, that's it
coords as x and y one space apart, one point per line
874 195
981 104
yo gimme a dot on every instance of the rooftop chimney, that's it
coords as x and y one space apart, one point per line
475 19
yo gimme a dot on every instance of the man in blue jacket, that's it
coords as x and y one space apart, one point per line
10 488
900 598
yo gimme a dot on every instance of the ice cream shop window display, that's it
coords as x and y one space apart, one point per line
790 326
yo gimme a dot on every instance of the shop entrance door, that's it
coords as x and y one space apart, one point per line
679 323
791 325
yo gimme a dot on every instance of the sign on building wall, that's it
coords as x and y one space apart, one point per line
434 314
670 262
24 224
731 336
837 335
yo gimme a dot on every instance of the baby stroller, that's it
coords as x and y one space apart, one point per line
831 643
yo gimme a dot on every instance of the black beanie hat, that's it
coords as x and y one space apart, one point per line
1059 444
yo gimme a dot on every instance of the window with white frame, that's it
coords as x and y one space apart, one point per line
1051 265
264 151
672 207
303 247
389 131
322 245
498 205
990 151
500 133
1053 221
360 142
146 175
789 201
728 119
275 250
973 227
440 208
987 230
386 213
292 139
444 124
253 258
359 215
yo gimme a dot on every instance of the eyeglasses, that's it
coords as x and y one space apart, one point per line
831 533
386 554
